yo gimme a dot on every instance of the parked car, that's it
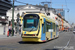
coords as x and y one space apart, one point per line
73 31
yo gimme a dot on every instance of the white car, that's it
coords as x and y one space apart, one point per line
73 31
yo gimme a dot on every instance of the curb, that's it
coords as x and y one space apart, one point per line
5 36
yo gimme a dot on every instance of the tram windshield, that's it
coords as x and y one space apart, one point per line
30 24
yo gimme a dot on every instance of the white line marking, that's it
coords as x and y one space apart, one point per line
67 44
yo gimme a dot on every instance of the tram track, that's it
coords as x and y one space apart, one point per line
67 43
66 39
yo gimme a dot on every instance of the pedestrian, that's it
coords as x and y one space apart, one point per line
16 29
4 30
19 30
10 30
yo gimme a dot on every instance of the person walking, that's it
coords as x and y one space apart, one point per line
19 30
10 30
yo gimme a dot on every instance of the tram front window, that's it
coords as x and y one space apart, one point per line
30 24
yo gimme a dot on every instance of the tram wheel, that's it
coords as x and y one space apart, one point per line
46 39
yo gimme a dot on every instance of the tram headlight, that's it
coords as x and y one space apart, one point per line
33 34
24 34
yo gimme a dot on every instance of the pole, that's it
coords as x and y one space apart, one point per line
50 3
62 20
13 19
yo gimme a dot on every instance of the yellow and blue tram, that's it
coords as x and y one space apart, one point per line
38 28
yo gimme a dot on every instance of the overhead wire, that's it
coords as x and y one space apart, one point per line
66 6
20 2
67 11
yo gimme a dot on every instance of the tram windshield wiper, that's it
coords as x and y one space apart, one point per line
31 29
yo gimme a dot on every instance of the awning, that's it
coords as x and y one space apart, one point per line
3 21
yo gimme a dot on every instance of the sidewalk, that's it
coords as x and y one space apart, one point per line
5 36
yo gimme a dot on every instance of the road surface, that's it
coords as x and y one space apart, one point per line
66 41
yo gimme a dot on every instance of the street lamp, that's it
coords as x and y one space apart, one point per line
13 19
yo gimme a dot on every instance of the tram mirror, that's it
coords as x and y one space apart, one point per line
42 20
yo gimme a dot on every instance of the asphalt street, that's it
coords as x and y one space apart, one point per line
66 41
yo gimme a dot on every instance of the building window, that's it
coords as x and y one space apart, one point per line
29 6
43 9
48 14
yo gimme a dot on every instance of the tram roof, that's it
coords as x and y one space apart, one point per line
47 18
44 16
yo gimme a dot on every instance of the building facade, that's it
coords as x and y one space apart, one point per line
61 11
4 6
49 12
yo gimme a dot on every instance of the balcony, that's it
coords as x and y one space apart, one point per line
9 2
5 5
2 12
2 8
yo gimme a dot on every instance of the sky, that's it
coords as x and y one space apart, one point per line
70 4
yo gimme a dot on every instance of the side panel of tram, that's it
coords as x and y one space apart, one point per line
38 29
51 30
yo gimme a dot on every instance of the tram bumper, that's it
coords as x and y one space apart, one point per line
31 39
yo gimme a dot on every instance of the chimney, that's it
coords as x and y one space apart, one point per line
36 4
46 5
39 4
27 4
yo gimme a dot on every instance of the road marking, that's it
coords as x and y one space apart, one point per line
67 44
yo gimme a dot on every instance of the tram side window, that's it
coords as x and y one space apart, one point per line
53 27
57 28
48 26
43 28
24 23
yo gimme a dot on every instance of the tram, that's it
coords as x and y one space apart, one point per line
38 28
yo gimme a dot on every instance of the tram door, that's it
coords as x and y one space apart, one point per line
57 30
43 31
